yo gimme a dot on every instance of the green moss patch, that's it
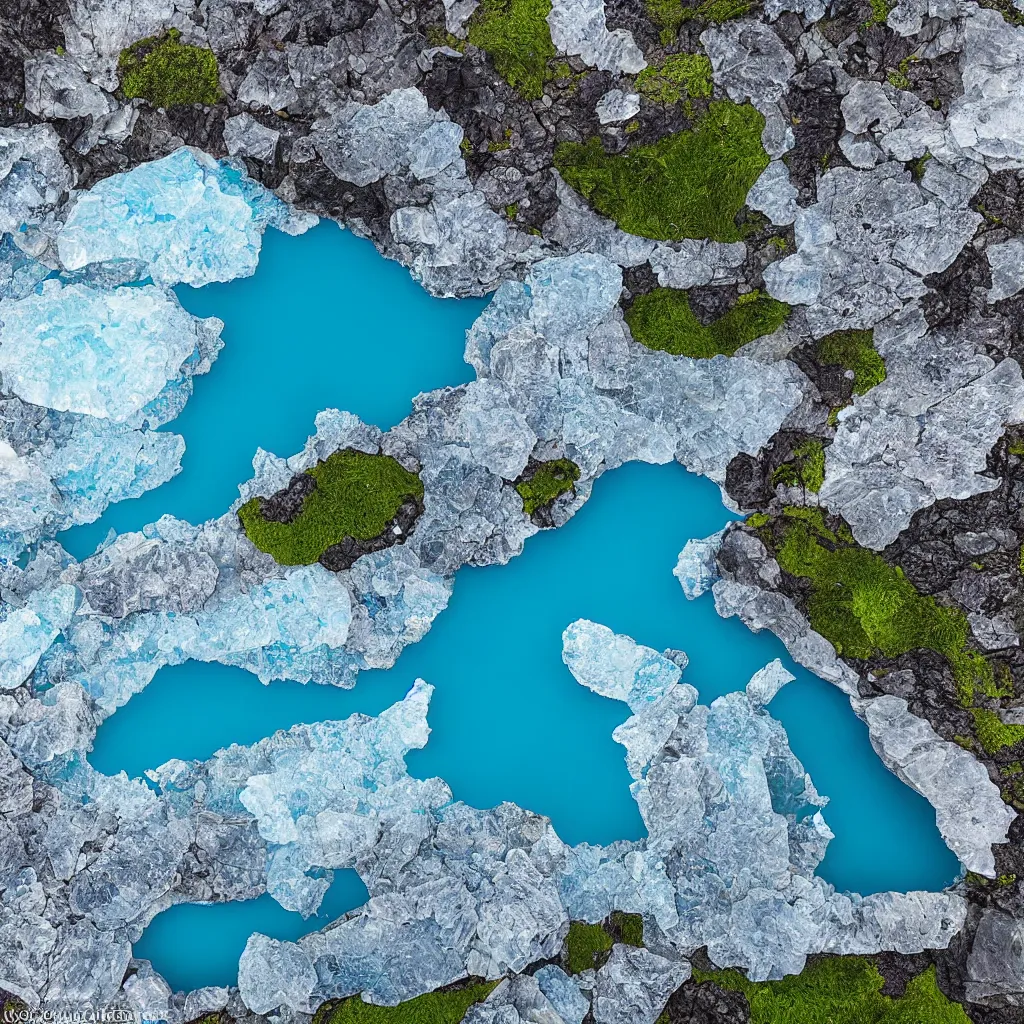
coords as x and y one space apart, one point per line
629 928
806 468
678 77
356 495
840 990
691 184
543 483
669 15
994 734
446 1006
515 34
585 946
864 606
662 320
168 73
854 350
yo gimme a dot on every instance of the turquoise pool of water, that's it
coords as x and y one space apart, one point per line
508 721
324 322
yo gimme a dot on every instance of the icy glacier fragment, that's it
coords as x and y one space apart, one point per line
188 218
104 353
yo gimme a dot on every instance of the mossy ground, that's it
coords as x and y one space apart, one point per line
840 990
690 184
446 1006
806 468
854 350
356 495
547 482
678 77
669 15
168 73
662 320
866 607
585 946
515 34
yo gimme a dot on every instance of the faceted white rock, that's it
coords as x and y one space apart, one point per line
697 566
766 682
27 632
245 136
55 87
774 194
578 28
969 809
1007 262
987 117
616 106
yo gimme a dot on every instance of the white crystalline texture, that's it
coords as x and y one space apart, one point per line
103 353
987 117
634 984
245 136
33 182
578 28
56 87
766 682
1007 262
187 218
969 808
563 993
616 106
749 61
865 246
922 434
26 633
615 666
697 566
774 194
362 144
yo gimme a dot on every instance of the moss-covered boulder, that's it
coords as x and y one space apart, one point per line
663 320
691 184
542 482
168 73
348 505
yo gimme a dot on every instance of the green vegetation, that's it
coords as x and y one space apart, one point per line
438 35
854 350
584 945
993 734
840 990
864 606
898 77
516 35
548 481
880 11
630 928
669 15
356 495
679 76
691 184
662 320
446 1006
168 73
806 468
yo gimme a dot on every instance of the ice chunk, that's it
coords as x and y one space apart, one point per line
104 353
187 218
563 993
579 28
26 632
615 666
697 567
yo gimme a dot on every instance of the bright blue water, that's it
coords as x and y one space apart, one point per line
508 720
215 934
323 323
